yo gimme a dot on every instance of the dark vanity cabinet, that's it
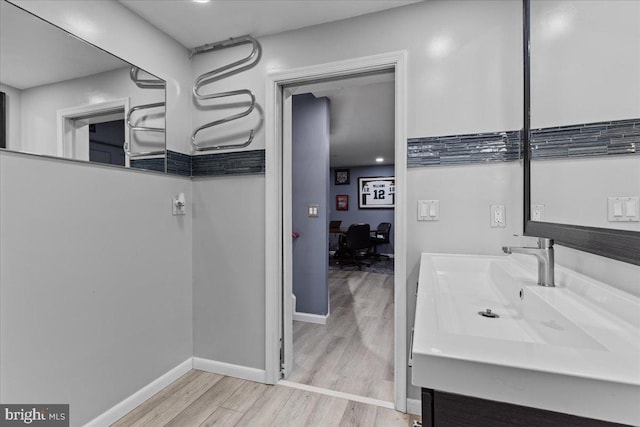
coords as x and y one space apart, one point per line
440 409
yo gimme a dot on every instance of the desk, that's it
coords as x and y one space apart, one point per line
344 230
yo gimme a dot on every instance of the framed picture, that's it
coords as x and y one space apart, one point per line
376 192
342 202
342 177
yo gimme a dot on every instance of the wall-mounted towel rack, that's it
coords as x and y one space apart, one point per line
219 74
144 84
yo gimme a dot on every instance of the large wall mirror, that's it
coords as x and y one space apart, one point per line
582 90
66 98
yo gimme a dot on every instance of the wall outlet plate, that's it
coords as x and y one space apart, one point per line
498 217
537 213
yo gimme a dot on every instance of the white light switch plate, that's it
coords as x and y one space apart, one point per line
623 209
428 210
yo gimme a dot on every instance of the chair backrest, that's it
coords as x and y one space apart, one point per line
358 236
383 230
334 225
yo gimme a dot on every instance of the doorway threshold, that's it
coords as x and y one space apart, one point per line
339 394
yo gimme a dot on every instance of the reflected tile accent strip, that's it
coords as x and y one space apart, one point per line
155 164
620 137
586 140
464 149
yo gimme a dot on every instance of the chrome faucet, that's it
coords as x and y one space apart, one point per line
544 254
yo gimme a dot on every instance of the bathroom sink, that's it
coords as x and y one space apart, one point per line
484 328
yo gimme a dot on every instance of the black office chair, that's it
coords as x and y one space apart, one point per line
356 241
380 238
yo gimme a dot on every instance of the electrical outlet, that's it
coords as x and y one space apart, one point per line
498 216
537 213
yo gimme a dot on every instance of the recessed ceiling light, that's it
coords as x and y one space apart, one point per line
201 1
379 159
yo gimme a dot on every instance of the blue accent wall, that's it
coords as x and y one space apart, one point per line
310 178
354 215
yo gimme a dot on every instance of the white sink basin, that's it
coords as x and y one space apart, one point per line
574 348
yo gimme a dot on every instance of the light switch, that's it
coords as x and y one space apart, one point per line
312 211
623 209
428 210
617 208
631 207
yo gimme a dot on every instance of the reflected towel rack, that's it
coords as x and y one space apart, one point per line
144 84
219 74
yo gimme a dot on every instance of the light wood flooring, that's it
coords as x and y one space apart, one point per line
353 352
201 398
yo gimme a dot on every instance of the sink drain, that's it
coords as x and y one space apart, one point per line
488 313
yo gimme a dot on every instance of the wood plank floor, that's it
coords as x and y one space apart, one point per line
353 352
201 398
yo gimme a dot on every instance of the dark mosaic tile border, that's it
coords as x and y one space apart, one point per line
178 163
236 163
586 140
620 137
216 164
464 149
157 164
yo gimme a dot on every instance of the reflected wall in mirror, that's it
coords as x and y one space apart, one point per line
67 98
585 113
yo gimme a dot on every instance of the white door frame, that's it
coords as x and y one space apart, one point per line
278 171
69 134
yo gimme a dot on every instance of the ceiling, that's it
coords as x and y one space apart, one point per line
195 24
361 118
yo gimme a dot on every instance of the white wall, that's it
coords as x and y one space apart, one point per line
114 28
228 269
95 282
40 105
13 117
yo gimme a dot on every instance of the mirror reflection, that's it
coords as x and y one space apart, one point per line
585 113
64 97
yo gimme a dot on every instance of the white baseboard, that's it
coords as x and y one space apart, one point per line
130 403
237 371
414 406
307 317
310 318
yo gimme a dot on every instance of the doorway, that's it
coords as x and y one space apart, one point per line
94 132
279 309
343 291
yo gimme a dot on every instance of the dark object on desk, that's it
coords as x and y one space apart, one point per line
356 240
381 237
334 226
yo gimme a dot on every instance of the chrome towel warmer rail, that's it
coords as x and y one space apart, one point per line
143 84
219 74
